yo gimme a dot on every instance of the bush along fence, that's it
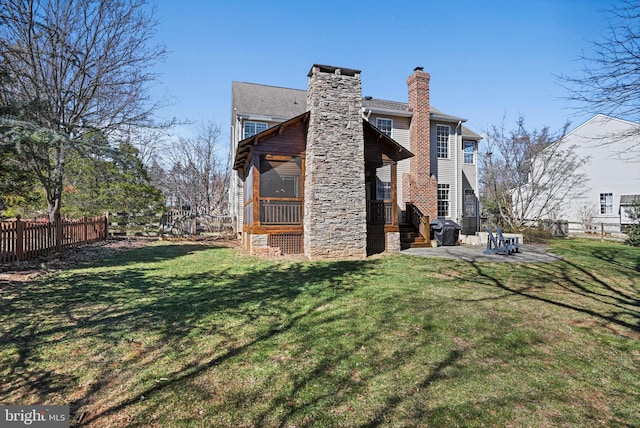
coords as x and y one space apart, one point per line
25 240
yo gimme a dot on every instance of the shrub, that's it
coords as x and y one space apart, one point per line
633 230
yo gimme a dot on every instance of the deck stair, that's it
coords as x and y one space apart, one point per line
411 238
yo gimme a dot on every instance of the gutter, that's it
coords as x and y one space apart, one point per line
388 111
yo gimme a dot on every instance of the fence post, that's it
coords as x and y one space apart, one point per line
106 224
59 232
19 238
601 232
85 235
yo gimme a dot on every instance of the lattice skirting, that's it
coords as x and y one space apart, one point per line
376 242
288 243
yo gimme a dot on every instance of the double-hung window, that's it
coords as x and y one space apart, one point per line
468 148
253 128
385 125
442 140
443 200
606 203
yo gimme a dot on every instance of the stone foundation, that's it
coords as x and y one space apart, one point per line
393 242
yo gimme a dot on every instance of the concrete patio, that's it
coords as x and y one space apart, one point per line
474 253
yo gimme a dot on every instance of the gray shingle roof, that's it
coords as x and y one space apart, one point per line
385 104
285 103
628 199
273 101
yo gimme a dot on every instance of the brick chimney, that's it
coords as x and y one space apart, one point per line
423 187
335 213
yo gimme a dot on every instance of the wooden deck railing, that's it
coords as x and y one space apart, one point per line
379 212
280 212
25 240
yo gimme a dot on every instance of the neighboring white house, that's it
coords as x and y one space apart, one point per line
612 147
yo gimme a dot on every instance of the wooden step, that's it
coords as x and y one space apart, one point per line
423 244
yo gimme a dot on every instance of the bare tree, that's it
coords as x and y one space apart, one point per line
197 174
610 80
79 74
528 175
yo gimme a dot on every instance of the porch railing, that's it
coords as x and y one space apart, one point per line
280 212
380 212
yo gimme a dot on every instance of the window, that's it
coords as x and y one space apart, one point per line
443 200
253 128
385 125
606 203
468 148
281 179
469 203
442 138
383 190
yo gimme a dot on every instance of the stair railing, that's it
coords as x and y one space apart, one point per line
418 220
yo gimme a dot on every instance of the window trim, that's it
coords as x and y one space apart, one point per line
606 208
438 141
473 152
244 128
444 187
378 119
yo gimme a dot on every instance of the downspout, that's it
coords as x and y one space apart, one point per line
457 191
477 189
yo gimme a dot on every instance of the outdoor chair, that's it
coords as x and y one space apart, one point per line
498 244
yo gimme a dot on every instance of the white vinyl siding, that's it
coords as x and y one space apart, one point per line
401 136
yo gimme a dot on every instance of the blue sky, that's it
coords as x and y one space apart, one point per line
487 59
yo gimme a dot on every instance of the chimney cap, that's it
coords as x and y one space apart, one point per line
418 69
330 69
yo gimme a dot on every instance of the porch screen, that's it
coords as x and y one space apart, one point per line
281 179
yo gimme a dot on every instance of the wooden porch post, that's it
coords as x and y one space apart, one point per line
255 164
394 193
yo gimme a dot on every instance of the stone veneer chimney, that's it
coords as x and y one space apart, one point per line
423 185
335 225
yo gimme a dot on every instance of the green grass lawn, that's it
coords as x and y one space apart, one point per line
175 335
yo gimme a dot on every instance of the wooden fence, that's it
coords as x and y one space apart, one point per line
25 240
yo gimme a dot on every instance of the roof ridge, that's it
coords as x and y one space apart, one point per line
269 86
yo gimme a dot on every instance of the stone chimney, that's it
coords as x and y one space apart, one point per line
335 214
423 188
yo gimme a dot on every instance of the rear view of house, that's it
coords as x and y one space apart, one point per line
328 173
